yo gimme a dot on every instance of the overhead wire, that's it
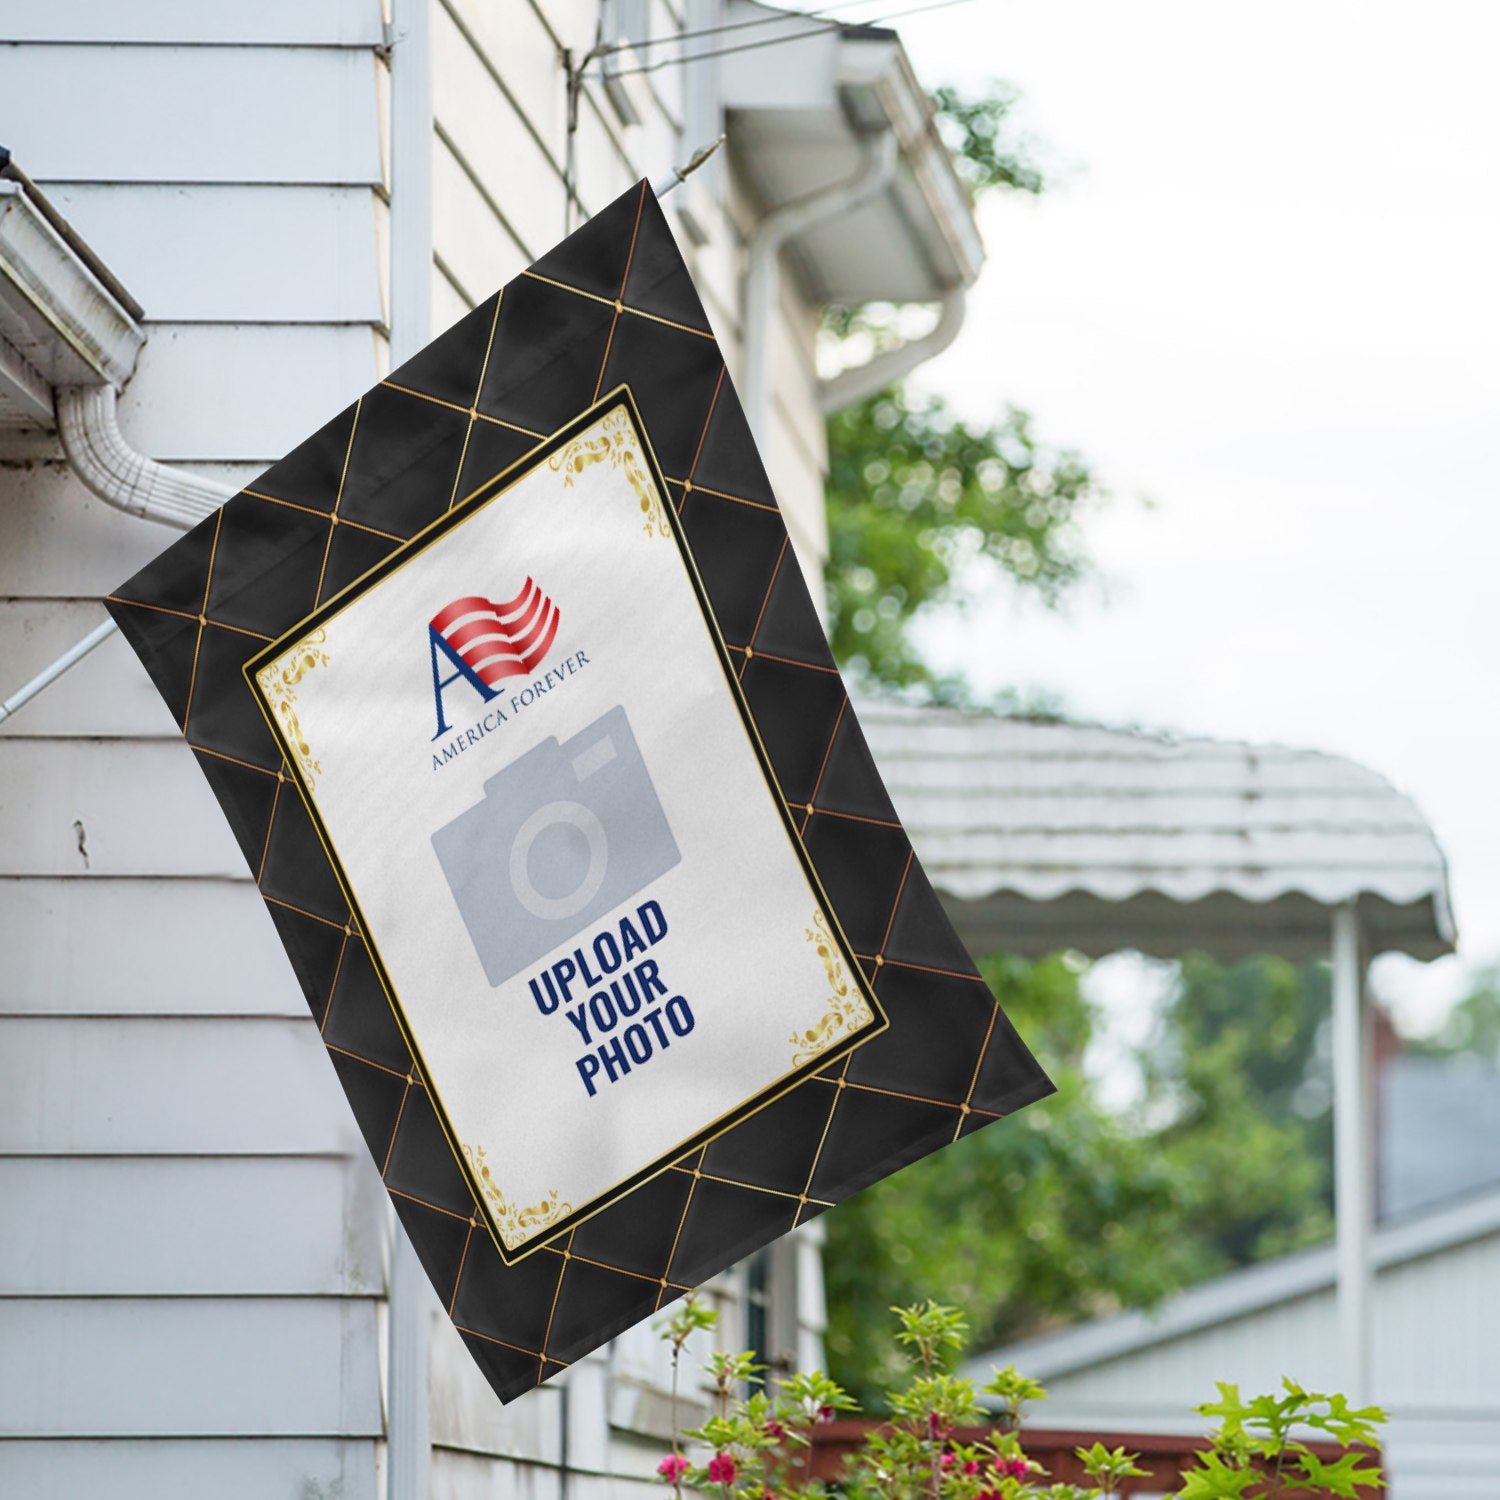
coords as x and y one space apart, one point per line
777 41
779 18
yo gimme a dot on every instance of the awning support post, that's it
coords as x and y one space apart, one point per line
1352 1173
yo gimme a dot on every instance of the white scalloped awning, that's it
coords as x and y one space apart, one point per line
1043 835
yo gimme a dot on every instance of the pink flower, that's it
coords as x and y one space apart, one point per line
970 1465
1015 1468
774 1429
672 1467
938 1425
825 1414
721 1469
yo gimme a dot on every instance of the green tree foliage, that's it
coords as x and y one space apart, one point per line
920 504
979 131
1072 1211
1237 1062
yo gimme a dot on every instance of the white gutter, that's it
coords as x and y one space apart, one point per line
762 270
862 381
62 315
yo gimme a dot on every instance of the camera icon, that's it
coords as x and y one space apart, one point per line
564 834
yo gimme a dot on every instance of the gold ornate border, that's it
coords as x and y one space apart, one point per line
847 1010
278 681
614 438
514 1225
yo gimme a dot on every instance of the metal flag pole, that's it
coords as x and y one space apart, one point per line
664 185
49 674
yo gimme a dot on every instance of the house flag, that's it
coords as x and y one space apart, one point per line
517 703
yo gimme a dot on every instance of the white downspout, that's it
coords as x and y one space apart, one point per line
863 381
108 466
762 269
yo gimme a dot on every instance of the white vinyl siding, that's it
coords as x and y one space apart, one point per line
226 1468
237 253
280 23
253 391
190 1226
217 114
190 1291
220 1367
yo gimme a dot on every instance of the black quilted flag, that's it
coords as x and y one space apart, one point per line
513 694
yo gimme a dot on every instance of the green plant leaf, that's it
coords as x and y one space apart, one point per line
1216 1480
1345 1424
686 1318
1343 1477
1230 1410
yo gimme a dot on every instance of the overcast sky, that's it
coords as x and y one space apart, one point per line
1264 294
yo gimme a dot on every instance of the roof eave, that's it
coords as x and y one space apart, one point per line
800 111
1242 1293
909 112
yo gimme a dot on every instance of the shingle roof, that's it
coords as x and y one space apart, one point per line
1045 834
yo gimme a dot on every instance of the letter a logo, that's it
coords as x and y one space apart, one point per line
485 642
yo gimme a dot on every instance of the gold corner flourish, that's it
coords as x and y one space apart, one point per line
613 439
279 682
516 1225
847 1010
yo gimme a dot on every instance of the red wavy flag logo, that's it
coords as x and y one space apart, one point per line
494 641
